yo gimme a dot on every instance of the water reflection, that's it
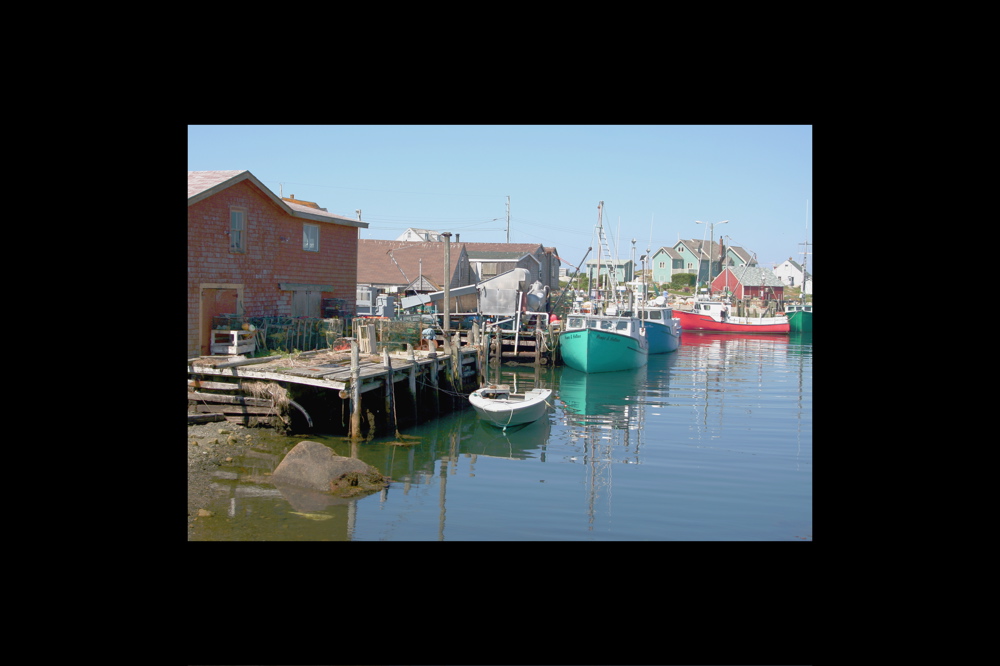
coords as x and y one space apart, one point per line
712 419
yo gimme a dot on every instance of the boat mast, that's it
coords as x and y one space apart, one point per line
600 243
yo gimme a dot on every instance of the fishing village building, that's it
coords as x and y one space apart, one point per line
252 253
410 267
749 282
403 268
694 256
794 275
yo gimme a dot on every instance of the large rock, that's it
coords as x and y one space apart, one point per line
315 466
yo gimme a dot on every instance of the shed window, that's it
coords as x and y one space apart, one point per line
310 237
237 230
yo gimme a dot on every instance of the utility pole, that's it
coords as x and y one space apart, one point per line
447 281
508 218
805 259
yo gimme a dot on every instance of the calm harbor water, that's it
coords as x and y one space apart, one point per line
711 442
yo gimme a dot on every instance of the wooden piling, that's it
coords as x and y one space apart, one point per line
355 390
434 386
413 379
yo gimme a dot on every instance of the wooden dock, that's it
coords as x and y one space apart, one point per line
335 389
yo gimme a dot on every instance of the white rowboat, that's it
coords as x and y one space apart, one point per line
496 405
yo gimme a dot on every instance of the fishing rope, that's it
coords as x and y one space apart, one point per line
441 390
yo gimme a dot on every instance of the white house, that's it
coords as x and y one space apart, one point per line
420 235
791 274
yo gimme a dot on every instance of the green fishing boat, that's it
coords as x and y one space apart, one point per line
800 318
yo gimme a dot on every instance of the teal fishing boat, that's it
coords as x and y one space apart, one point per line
662 328
800 318
604 343
605 335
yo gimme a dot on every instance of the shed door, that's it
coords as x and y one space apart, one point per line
306 304
215 302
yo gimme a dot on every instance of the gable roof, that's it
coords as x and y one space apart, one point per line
203 184
797 266
669 251
426 234
753 276
744 256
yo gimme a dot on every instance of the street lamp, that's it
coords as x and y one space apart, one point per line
711 247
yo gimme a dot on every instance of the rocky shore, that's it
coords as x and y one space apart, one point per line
211 446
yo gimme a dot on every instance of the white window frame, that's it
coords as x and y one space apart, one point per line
310 237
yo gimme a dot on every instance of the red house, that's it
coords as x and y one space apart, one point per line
749 282
257 255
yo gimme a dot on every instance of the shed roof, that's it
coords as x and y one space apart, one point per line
203 184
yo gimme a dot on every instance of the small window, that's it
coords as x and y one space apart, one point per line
237 230
310 237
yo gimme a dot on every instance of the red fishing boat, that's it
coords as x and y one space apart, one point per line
714 316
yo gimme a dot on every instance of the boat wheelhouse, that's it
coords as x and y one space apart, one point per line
662 329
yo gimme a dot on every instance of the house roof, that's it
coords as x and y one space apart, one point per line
203 184
753 276
375 265
482 255
488 249
669 251
797 266
740 252
699 248
426 234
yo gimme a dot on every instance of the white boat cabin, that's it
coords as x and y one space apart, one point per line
619 325
712 309
658 315
798 308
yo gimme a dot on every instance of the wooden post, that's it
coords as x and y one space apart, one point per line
413 379
387 366
456 365
355 390
517 322
434 385
484 358
390 393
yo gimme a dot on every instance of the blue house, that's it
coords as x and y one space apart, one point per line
692 256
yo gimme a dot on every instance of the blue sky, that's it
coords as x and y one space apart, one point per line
655 180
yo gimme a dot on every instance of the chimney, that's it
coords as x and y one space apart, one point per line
457 236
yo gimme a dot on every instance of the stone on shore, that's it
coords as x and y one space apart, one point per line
315 466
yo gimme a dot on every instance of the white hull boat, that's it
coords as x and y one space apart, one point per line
496 405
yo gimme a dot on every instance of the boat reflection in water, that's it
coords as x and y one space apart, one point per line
601 395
